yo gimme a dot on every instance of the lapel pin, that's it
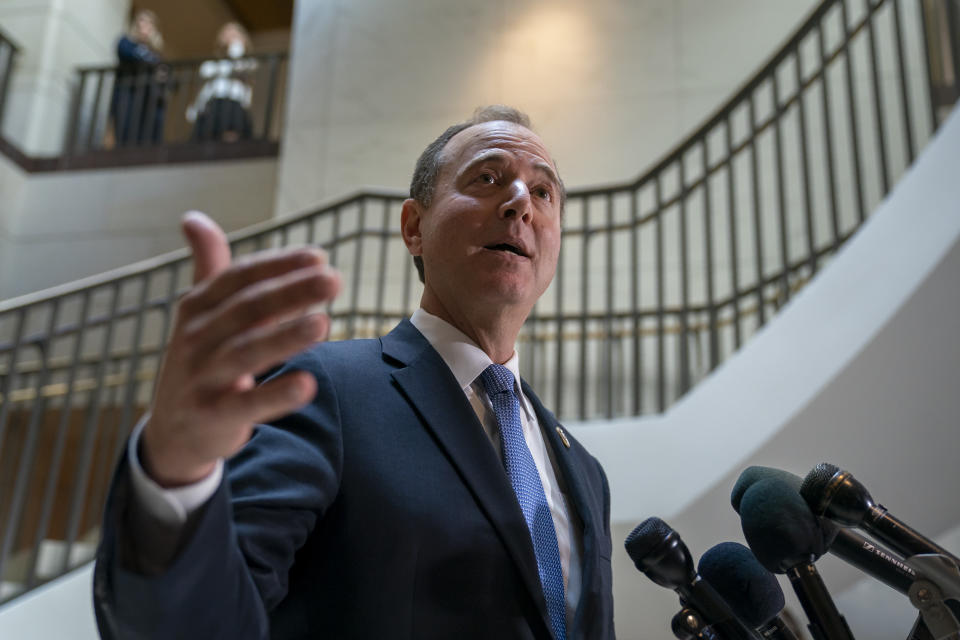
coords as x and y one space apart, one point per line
563 437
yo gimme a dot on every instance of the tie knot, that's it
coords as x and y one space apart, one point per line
496 379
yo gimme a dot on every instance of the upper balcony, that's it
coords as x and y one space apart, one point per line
67 104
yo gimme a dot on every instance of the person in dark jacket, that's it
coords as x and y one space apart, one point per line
406 487
139 100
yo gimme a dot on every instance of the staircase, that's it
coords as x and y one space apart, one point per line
660 282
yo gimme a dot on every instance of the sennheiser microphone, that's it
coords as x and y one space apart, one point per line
836 494
851 547
657 550
753 593
787 538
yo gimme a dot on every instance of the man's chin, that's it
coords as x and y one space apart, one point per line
507 293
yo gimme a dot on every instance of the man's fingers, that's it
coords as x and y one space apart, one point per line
248 271
269 401
260 349
211 251
261 304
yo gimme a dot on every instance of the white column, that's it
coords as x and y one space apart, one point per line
55 37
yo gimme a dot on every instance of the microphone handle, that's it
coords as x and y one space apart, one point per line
715 612
863 554
899 536
825 622
777 629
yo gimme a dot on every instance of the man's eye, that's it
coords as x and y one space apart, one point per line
487 178
542 193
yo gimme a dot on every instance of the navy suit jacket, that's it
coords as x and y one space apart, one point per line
379 510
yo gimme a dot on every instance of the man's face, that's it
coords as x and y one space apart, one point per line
492 231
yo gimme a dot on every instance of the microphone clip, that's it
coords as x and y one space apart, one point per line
939 621
938 579
688 624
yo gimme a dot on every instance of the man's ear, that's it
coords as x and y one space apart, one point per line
410 217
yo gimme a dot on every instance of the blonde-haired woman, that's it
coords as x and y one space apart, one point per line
139 98
221 110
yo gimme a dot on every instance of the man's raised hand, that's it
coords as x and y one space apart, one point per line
239 319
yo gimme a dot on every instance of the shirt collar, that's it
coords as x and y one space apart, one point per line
461 354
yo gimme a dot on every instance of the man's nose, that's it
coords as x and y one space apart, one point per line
518 204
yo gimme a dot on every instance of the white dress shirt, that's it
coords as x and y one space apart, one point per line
466 361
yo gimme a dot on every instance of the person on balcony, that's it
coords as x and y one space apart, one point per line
139 91
410 486
221 111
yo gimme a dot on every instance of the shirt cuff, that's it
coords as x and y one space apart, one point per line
170 506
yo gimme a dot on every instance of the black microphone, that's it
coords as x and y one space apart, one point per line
836 494
851 547
752 592
657 550
787 538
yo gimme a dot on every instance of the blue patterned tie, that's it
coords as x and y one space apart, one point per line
498 382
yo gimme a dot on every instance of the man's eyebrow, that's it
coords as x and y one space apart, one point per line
546 169
491 155
496 155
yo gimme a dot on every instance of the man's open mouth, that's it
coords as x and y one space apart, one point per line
503 246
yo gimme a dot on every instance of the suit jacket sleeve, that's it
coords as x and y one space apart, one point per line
230 567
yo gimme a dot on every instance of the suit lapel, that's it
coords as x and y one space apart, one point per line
432 390
571 466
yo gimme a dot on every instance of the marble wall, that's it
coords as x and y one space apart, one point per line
610 84
69 225
55 37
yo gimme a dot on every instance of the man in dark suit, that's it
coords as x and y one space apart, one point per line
414 487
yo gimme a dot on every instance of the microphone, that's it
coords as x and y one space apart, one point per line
836 494
752 592
657 550
851 547
787 538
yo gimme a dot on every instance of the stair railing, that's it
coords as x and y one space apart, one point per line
659 279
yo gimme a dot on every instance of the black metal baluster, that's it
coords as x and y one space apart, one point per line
828 140
732 214
382 268
73 131
757 218
925 27
852 113
661 363
271 93
584 309
558 381
684 373
781 193
904 97
357 267
877 100
608 320
708 260
635 303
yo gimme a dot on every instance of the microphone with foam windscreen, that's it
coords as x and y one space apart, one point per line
753 593
836 494
787 538
657 550
861 552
